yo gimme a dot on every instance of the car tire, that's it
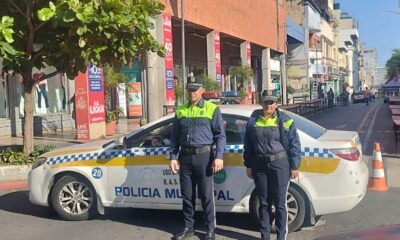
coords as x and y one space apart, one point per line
74 198
296 208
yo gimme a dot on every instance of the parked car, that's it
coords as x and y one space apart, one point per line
133 171
224 98
358 97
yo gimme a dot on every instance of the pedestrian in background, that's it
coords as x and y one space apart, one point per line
272 156
198 125
330 97
367 95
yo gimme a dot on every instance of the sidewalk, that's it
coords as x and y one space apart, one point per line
67 138
14 177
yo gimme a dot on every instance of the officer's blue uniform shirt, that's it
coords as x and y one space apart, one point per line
271 136
198 126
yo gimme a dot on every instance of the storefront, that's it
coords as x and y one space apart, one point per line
52 103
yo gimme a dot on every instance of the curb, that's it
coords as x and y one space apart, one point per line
14 177
17 185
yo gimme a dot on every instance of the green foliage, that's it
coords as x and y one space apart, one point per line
111 81
114 115
290 89
41 149
113 78
110 116
6 37
393 65
69 34
11 156
178 91
242 75
209 84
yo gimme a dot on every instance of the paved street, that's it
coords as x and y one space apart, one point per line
373 123
21 220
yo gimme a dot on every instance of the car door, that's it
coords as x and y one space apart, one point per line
231 184
144 176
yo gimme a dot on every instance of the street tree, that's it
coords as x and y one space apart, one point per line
393 65
70 34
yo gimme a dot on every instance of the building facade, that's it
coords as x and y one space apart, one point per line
348 44
381 76
216 41
218 37
369 58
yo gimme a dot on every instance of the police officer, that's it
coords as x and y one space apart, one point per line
197 126
272 156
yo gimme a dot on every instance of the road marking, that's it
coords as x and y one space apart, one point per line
366 118
341 126
371 125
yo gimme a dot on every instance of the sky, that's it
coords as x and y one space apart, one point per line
377 28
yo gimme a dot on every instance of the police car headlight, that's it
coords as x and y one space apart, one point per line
39 162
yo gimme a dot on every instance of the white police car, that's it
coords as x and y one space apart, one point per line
80 180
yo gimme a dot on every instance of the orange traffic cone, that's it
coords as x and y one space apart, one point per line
377 181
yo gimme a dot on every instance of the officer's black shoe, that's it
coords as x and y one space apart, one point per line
185 234
210 235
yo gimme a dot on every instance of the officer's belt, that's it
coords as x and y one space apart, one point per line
271 157
194 151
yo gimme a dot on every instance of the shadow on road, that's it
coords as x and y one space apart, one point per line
18 202
163 220
172 222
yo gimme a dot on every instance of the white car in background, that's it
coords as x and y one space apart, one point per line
79 181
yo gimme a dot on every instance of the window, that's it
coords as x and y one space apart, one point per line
3 98
158 136
235 128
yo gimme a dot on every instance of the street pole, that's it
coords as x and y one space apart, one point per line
183 49
284 79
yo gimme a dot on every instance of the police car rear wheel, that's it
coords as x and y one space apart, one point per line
74 198
296 208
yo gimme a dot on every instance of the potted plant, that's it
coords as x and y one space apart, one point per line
210 84
111 123
242 75
178 91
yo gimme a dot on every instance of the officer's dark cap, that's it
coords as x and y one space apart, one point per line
268 95
194 83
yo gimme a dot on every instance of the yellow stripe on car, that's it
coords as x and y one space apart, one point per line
318 165
308 164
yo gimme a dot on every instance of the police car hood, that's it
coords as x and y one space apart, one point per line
79 148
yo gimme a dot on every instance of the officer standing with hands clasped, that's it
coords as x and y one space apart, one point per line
272 156
198 125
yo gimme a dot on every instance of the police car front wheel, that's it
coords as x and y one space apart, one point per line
74 198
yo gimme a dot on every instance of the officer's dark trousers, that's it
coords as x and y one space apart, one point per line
196 169
272 180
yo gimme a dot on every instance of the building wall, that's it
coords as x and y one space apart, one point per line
381 76
346 23
251 20
296 12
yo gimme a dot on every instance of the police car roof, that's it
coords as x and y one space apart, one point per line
237 109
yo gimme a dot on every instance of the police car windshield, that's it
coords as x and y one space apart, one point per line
312 129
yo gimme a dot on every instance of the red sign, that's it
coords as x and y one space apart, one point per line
89 102
248 58
217 46
96 94
81 107
169 61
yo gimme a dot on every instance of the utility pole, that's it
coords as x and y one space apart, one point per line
183 49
